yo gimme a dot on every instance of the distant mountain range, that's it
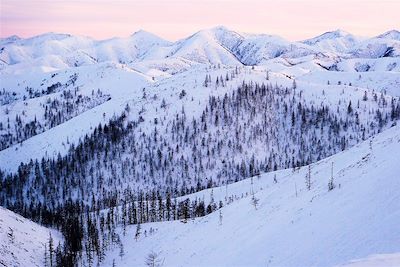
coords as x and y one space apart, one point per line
219 45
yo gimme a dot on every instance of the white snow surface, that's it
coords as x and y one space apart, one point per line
376 260
22 242
291 226
337 41
122 82
358 219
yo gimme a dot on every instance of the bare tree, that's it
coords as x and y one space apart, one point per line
153 259
254 201
138 231
308 178
121 250
331 185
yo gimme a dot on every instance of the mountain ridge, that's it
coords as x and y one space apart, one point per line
218 45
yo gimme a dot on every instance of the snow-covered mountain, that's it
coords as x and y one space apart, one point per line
257 49
101 137
378 48
218 45
58 51
137 47
208 46
348 45
392 34
338 41
290 225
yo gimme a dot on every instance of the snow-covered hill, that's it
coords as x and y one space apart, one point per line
348 45
291 225
378 48
392 34
23 241
121 83
103 125
337 41
58 51
208 46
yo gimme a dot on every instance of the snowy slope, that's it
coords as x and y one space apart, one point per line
291 225
392 34
122 83
380 81
125 85
204 47
348 45
140 45
377 47
58 51
256 49
387 260
337 41
23 241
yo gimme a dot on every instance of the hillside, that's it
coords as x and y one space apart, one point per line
291 226
23 241
99 137
337 41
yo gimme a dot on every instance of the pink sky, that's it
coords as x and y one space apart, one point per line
292 19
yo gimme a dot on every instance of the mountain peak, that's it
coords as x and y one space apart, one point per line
338 33
142 32
327 36
49 36
145 35
219 28
337 41
10 39
392 34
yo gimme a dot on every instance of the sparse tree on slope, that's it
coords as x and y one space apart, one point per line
153 259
